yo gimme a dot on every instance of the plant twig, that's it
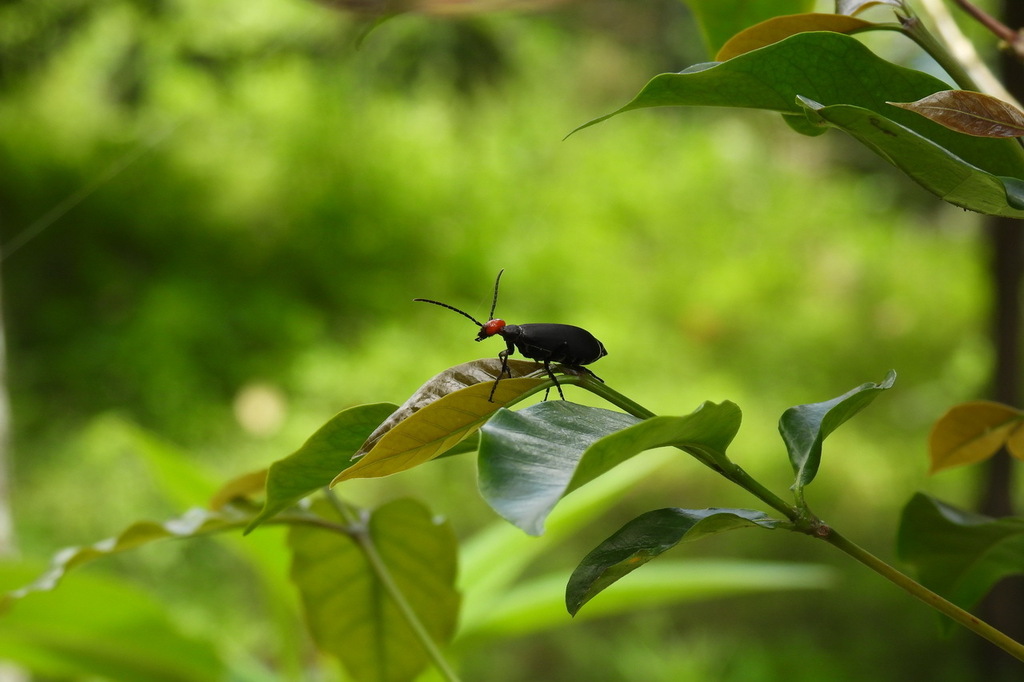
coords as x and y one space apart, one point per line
944 606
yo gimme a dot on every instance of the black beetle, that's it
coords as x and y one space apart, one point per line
570 346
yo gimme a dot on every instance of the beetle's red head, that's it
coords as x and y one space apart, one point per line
490 329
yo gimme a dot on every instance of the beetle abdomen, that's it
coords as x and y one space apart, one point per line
563 343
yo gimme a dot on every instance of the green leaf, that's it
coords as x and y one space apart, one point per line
532 458
645 538
778 28
193 523
539 604
705 433
315 464
527 458
956 553
805 427
929 164
842 78
96 627
347 606
448 408
719 20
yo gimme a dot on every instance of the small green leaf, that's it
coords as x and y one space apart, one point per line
972 432
648 536
325 453
347 606
441 413
778 28
805 427
193 523
527 458
956 553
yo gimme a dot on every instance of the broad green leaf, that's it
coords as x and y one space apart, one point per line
646 537
956 553
539 604
445 410
100 628
705 434
805 427
315 464
191 524
778 28
972 432
347 605
530 459
527 458
843 78
934 167
719 20
972 113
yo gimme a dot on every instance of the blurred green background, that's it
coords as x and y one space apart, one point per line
266 196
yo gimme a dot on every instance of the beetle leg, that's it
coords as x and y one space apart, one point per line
547 366
504 370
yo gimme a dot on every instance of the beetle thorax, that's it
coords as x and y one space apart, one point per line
490 329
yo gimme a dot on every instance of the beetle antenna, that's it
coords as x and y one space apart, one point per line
450 307
494 302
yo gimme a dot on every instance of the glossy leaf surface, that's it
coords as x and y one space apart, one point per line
956 553
973 432
348 609
325 453
805 427
441 413
841 77
648 536
972 113
528 457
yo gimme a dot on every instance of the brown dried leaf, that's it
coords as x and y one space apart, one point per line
969 112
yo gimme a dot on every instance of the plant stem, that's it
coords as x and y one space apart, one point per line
944 606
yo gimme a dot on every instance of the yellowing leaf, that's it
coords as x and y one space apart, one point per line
779 28
240 488
1015 442
971 113
434 420
971 432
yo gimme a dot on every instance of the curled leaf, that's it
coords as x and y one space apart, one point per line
778 28
441 413
971 113
805 427
973 432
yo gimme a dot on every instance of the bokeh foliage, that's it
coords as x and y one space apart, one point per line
288 194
